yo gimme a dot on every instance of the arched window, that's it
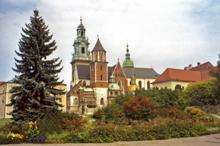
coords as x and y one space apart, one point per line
178 87
81 33
148 84
101 77
83 50
140 84
102 101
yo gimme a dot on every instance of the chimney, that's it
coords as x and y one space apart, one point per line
198 63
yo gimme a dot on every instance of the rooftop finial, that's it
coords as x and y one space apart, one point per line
97 36
118 60
127 48
80 19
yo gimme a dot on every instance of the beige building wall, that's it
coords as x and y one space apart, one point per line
171 84
144 82
2 100
5 98
62 98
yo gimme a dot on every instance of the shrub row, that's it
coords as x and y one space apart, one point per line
111 132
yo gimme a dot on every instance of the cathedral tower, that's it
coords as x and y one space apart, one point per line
98 67
81 45
99 74
81 57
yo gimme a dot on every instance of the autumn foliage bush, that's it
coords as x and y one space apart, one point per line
140 108
73 122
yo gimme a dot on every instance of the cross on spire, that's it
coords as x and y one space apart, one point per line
80 19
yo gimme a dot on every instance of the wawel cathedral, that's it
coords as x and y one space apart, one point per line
95 84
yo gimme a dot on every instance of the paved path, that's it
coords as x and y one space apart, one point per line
210 140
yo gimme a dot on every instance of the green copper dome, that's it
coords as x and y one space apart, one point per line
128 62
113 85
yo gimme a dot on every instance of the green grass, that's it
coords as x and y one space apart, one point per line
3 122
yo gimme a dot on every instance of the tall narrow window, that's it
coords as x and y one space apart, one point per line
83 50
102 101
100 56
148 84
140 84
101 77
81 33
101 67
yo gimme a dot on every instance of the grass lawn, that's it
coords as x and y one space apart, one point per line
4 122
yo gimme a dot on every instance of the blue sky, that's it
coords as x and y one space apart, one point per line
160 34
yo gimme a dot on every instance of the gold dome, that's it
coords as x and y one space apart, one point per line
132 88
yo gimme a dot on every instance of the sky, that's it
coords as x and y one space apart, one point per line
160 33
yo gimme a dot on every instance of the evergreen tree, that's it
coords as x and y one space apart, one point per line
37 76
217 75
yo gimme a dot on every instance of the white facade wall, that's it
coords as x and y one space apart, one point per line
171 84
101 94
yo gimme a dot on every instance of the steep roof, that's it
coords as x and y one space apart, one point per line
98 46
207 66
171 74
83 72
141 73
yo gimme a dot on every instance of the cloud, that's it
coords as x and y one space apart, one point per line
160 33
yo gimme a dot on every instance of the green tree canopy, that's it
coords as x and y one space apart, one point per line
37 73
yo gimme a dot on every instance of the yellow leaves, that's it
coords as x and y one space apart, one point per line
15 136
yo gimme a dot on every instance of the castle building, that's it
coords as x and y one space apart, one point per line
95 84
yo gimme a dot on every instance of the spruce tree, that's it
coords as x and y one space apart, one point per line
37 75
217 75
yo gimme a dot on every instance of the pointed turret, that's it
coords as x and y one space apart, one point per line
98 46
128 62
98 52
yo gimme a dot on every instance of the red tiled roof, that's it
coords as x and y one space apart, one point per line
171 74
207 66
98 46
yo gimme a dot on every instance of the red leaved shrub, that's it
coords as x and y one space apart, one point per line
140 108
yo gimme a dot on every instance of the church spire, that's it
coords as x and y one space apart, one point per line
81 44
128 62
80 19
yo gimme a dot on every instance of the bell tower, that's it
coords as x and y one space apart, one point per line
99 74
81 45
98 67
81 56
